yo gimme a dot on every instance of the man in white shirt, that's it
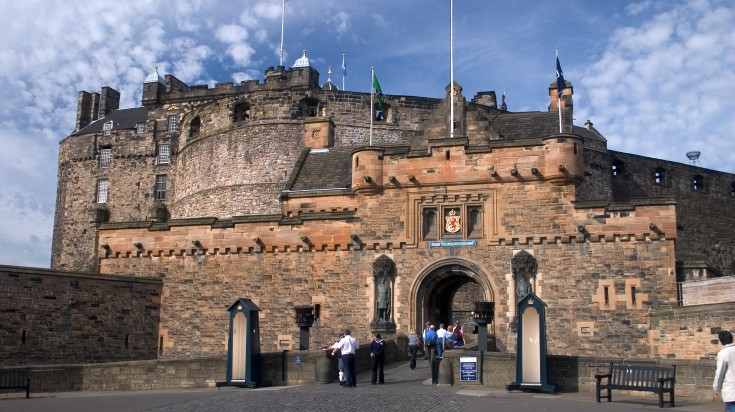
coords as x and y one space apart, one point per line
348 348
724 382
440 344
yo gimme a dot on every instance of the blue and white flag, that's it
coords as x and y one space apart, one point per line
344 66
561 84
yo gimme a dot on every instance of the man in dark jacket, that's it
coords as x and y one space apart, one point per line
377 352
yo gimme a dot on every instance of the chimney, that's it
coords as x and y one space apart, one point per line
87 107
588 125
109 101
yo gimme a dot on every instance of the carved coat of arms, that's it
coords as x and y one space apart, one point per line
452 222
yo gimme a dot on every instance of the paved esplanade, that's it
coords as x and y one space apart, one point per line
405 390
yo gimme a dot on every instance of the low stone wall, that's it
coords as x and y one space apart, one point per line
576 374
703 292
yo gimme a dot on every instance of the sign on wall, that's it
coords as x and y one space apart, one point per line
468 369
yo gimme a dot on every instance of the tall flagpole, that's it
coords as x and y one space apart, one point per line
451 68
283 19
344 71
372 79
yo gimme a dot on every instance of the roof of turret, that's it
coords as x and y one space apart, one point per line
155 78
303 61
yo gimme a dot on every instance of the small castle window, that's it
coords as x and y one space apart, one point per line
107 128
617 168
140 128
658 176
173 124
195 126
732 189
103 189
105 156
160 187
698 183
241 112
164 154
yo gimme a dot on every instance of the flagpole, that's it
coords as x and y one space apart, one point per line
451 68
283 19
558 95
372 77
344 71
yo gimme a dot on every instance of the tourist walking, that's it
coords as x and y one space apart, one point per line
440 342
449 338
413 346
724 383
377 352
458 335
348 348
423 337
431 342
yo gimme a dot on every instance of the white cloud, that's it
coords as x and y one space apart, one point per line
231 33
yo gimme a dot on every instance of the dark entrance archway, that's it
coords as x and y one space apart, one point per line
446 292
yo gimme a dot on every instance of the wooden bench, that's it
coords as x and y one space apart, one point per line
16 379
638 377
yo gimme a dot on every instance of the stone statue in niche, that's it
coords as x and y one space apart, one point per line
384 270
383 301
523 287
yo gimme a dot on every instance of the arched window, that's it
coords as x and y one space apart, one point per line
194 127
658 176
617 168
241 112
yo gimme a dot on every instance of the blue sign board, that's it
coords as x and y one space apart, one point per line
298 360
468 369
453 243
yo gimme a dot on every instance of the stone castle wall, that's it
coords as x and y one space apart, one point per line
51 317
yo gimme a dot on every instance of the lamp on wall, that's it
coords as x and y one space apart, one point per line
138 246
197 244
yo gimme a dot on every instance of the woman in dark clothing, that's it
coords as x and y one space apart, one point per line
377 352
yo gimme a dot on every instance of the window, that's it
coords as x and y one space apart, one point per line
241 112
107 128
658 176
732 189
103 189
617 168
194 127
698 183
173 124
160 187
105 156
140 128
164 154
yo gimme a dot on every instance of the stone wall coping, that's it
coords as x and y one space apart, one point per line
60 273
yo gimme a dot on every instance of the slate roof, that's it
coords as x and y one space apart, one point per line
323 169
123 119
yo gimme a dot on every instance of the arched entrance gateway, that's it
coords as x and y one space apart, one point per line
446 292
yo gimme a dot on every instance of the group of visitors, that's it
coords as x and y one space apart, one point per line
345 350
433 342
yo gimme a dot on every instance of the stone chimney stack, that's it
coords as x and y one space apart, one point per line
109 101
87 109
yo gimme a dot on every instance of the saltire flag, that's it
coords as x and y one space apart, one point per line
381 98
344 66
561 84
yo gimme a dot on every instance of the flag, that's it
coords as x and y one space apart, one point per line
379 93
344 66
561 84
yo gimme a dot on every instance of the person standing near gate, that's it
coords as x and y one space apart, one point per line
348 348
724 383
377 352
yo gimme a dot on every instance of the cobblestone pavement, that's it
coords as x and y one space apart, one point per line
405 390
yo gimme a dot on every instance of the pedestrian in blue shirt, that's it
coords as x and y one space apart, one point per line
377 352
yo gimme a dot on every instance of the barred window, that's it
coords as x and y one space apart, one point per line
103 189
160 187
164 154
173 123
140 128
105 156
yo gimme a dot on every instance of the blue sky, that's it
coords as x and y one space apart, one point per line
656 78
